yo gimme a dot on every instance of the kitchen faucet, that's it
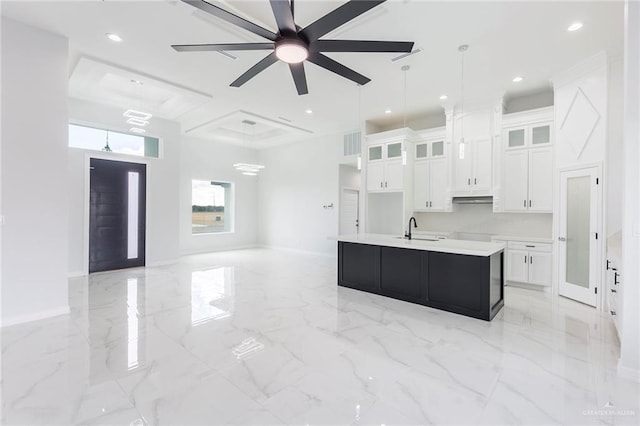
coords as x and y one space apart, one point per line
415 225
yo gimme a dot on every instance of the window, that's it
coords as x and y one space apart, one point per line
121 143
211 207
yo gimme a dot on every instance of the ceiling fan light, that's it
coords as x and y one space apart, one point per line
292 51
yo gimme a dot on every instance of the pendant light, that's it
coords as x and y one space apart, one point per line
462 49
405 69
107 148
359 160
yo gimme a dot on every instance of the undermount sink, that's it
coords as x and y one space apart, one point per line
417 238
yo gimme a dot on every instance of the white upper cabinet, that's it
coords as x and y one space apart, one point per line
430 177
473 167
528 155
387 166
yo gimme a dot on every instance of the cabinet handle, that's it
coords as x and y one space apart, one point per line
426 204
529 203
381 185
430 204
613 290
613 312
524 203
475 181
608 262
385 184
469 181
531 260
525 258
530 246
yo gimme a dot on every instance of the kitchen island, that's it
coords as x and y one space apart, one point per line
464 277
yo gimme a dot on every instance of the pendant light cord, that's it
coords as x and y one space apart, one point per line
462 49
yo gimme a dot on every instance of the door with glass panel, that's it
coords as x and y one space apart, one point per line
117 204
578 253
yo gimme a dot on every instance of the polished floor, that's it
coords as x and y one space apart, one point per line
267 337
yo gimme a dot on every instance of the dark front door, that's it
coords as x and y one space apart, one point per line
117 215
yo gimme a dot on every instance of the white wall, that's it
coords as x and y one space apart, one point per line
480 218
614 175
208 160
298 180
34 173
629 364
162 224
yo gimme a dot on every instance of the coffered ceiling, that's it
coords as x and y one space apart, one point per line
506 39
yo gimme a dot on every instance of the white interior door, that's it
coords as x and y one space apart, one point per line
349 211
579 222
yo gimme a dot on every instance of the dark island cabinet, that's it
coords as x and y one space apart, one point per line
463 284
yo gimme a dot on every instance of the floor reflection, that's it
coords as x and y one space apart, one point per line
212 294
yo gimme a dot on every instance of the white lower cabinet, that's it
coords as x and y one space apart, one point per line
612 289
529 262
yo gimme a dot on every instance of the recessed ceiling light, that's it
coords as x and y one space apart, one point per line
249 173
137 130
114 37
443 97
309 111
387 111
575 26
517 79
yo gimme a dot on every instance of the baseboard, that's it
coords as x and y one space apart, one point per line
540 288
76 274
216 250
628 373
62 310
307 252
160 263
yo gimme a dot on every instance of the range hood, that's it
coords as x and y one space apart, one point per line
472 200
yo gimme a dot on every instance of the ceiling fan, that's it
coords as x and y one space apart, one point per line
294 45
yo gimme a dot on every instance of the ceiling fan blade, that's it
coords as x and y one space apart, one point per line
338 17
336 67
284 16
299 77
361 46
222 46
232 19
256 69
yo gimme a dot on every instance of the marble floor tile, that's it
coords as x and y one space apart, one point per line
265 337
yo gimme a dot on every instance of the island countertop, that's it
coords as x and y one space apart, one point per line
473 248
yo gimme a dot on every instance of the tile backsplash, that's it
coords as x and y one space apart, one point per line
480 218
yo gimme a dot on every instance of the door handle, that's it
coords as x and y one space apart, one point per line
562 239
613 290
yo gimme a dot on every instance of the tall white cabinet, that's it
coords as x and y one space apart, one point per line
527 179
430 175
389 180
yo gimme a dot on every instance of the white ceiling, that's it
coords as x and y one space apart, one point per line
506 39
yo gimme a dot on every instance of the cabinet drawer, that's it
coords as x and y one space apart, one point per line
523 245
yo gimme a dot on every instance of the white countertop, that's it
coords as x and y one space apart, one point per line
473 248
548 240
